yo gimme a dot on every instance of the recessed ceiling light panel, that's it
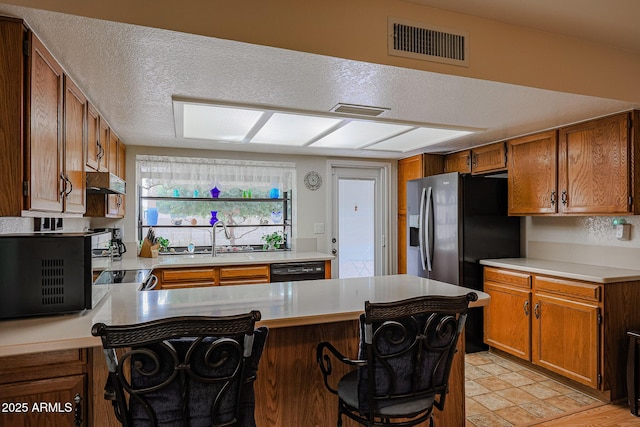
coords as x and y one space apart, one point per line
293 129
218 123
418 138
357 134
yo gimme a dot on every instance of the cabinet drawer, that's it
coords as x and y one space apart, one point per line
244 272
187 275
513 278
582 290
47 364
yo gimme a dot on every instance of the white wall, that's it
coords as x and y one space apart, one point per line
585 240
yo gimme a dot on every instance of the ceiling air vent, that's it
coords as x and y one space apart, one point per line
358 110
427 43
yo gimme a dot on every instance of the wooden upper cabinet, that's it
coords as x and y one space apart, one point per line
122 160
75 115
594 166
95 153
489 158
113 152
414 167
458 162
532 174
44 131
104 134
478 161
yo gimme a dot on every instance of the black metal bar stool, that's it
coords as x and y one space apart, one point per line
632 371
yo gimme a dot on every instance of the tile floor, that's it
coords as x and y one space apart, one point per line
503 393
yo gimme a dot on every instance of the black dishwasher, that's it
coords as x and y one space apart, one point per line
295 271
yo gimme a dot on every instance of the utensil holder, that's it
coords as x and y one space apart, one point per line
149 250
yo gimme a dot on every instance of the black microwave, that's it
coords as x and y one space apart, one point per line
48 273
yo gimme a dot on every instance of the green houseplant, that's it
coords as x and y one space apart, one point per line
272 240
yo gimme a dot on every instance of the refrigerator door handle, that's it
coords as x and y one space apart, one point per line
428 228
421 226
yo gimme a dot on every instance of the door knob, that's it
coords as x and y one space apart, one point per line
334 251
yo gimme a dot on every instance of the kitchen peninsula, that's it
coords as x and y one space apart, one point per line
289 388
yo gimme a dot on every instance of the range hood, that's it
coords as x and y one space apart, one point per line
106 183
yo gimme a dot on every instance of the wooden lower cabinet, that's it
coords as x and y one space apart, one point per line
507 319
190 277
242 275
573 328
565 338
41 389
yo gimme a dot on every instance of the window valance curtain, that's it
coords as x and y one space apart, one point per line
206 173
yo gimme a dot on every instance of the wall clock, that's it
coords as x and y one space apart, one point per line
312 180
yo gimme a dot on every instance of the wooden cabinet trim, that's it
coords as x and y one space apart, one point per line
246 272
186 274
513 278
568 288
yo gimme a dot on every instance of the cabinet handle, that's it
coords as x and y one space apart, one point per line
100 151
526 308
475 160
63 185
564 197
553 198
66 178
536 310
77 412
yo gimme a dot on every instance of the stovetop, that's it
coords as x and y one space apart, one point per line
122 276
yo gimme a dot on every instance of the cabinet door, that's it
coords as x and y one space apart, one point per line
594 166
506 319
105 143
458 162
565 338
113 152
532 174
490 158
94 149
122 160
75 113
48 402
44 139
409 168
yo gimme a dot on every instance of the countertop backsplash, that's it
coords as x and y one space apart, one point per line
10 225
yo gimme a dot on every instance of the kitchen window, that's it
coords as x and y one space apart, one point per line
181 197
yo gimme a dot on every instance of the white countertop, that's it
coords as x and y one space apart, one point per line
137 263
281 304
589 273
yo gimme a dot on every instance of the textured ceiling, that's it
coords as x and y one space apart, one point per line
131 74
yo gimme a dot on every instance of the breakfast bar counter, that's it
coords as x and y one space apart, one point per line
299 315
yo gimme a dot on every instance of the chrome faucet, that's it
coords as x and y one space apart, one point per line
213 235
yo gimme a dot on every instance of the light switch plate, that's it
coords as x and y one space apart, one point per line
318 228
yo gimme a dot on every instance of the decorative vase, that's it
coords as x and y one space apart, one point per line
276 217
215 192
214 217
274 193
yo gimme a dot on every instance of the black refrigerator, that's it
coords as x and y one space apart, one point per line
453 221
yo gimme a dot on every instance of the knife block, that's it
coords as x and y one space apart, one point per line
149 250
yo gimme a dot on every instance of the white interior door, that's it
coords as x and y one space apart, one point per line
358 217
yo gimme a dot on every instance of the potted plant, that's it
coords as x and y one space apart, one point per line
164 244
273 240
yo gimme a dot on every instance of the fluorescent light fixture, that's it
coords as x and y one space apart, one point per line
257 124
218 123
293 129
418 138
356 134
